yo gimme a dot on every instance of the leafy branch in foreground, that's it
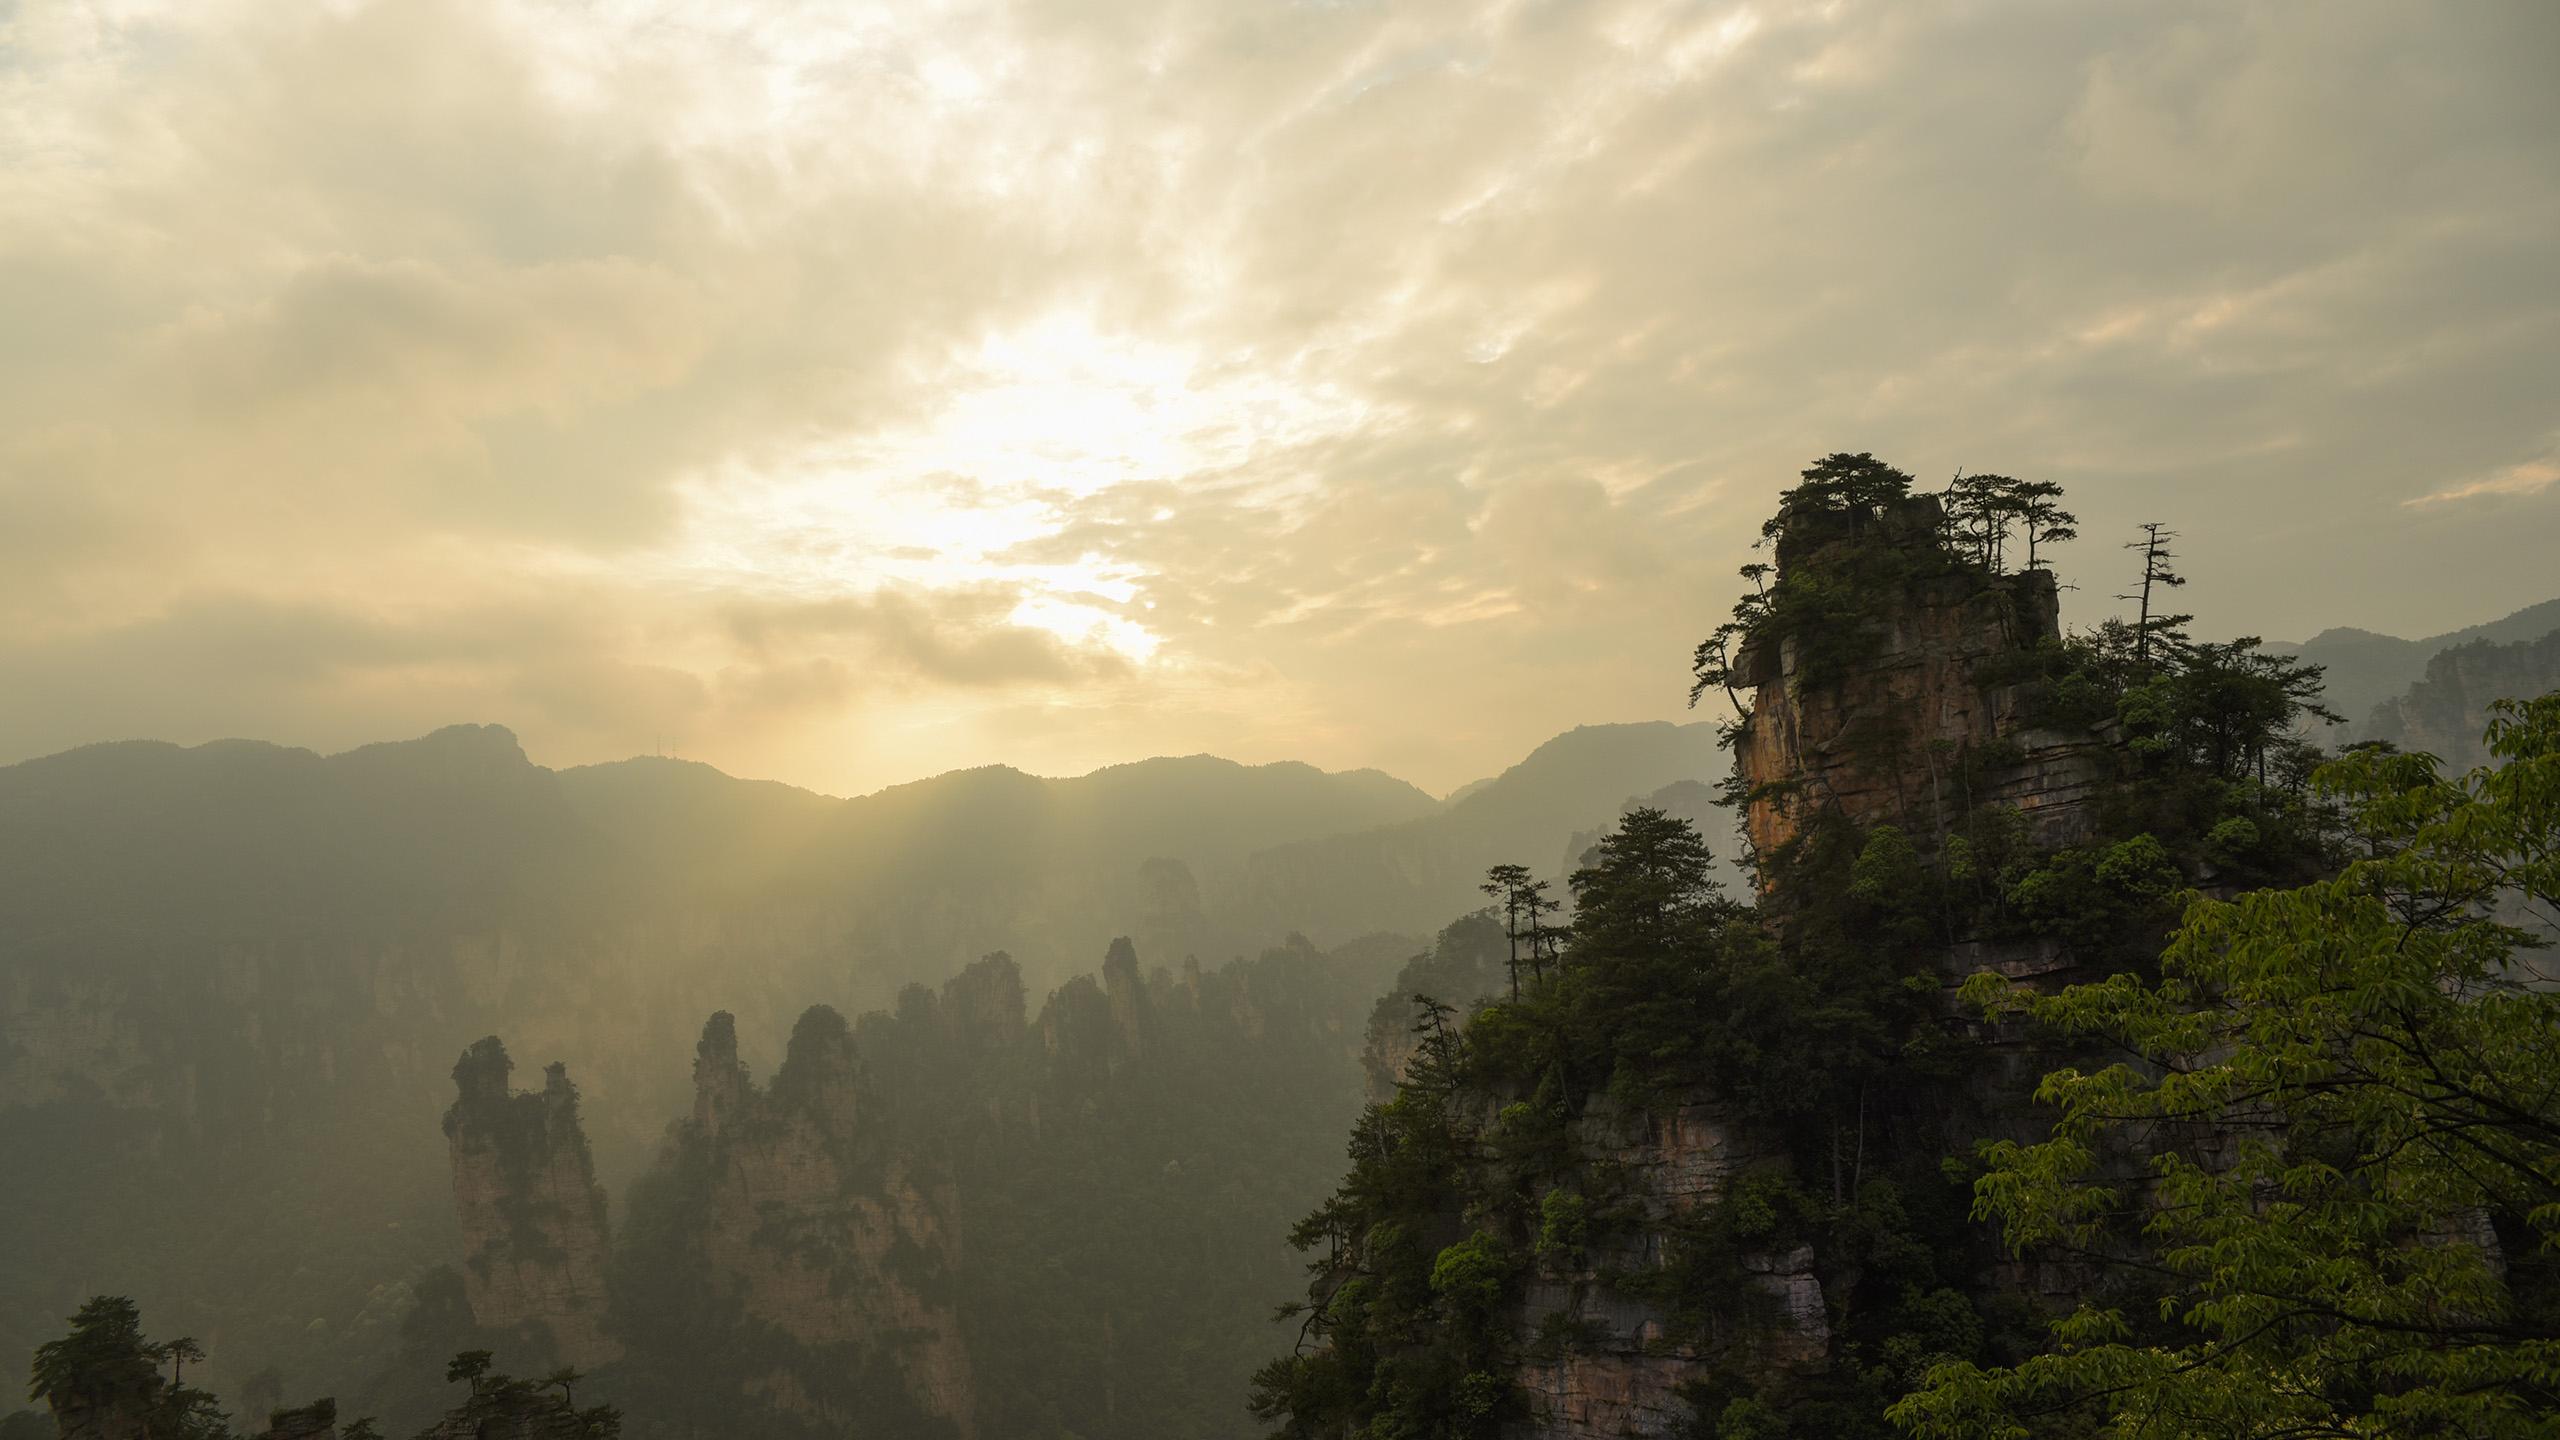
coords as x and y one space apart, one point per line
2334 1167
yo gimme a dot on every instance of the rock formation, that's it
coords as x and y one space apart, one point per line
829 1234
983 1006
532 1216
1626 1374
1128 996
1905 721
1915 728
315 1421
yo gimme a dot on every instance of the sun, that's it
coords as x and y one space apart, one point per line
1030 420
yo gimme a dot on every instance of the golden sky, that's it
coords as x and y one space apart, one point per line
843 393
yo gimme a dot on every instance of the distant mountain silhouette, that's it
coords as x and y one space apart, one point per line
1394 877
2366 669
237 972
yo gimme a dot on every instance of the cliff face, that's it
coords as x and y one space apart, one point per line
1465 965
316 1421
825 1233
1900 718
1909 730
83 1419
533 1222
1625 1376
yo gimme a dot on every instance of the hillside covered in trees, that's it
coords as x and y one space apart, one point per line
237 974
1787 1163
955 1217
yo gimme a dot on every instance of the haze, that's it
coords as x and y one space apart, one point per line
844 394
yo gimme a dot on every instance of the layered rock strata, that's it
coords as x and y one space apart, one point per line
1623 1374
1913 733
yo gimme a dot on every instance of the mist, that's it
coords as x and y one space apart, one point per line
1177 721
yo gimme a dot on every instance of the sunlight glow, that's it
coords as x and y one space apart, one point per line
1033 421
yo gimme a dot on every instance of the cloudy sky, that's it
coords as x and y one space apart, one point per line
842 392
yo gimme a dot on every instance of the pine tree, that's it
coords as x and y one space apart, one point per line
2156 575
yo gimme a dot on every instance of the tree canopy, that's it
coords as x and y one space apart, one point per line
2322 1197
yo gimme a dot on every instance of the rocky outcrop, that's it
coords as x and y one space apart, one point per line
2445 713
1904 714
822 1230
534 1235
1090 1029
1390 1049
1467 964
1128 996
1914 731
100 1418
1623 1371
983 1006
315 1421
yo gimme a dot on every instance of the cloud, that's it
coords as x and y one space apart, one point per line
2528 477
953 637
864 393
600 667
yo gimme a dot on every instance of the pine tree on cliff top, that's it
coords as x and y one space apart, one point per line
107 1371
104 1360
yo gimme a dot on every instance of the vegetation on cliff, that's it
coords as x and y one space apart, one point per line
101 1380
956 1215
2346 1215
236 973
1488 1229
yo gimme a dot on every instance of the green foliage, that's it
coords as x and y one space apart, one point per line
1471 1277
1665 988
1122 1211
1820 599
1814 1023
104 1359
1983 510
1409 1327
1817 596
103 1378
2347 1206
468 1367
1564 1223
2100 899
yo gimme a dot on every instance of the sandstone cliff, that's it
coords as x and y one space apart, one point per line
535 1242
316 1421
1630 1364
1911 729
956 1217
1905 713
822 1231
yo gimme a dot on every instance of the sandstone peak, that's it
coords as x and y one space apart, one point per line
532 1216
1888 697
719 1077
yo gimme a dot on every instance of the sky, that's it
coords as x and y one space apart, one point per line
844 393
